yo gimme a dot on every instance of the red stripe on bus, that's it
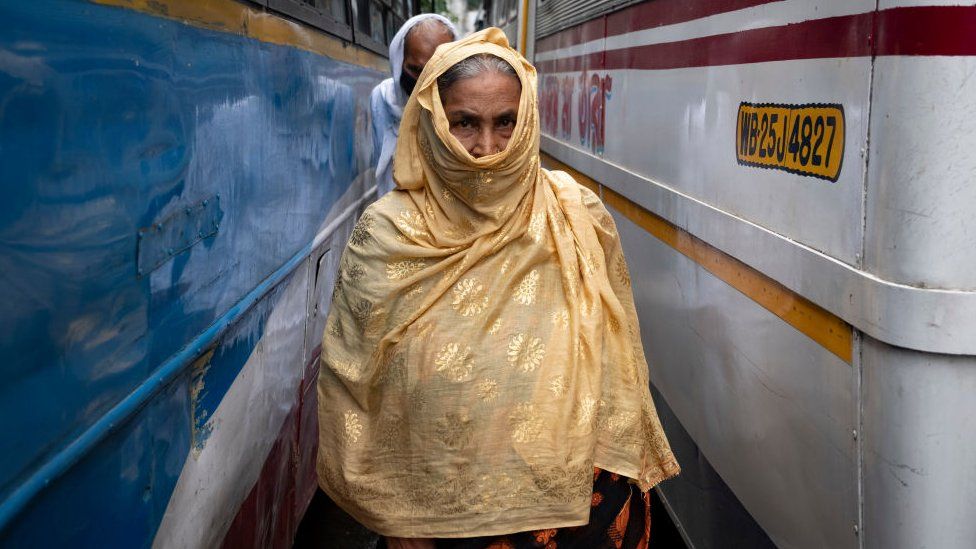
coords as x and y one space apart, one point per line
946 30
649 15
930 30
582 33
659 13
272 510
847 36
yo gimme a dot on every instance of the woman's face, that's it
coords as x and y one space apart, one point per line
482 111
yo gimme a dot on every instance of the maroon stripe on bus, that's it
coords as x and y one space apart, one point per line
846 36
929 30
588 61
946 30
648 15
591 30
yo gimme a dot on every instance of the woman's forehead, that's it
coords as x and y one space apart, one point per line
476 66
484 90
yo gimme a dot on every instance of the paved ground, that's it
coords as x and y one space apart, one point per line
325 526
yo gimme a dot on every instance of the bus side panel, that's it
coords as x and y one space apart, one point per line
920 227
707 510
160 175
677 124
919 428
770 409
919 432
879 249
249 438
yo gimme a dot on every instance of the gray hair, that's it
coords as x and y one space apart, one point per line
432 25
474 66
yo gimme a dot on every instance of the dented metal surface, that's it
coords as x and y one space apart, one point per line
112 121
165 239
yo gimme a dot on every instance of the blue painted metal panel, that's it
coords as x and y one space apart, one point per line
112 121
116 495
174 235
212 379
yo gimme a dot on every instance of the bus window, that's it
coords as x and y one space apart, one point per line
331 16
338 10
376 26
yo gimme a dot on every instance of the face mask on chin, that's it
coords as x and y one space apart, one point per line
407 82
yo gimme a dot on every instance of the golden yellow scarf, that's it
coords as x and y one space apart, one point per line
482 353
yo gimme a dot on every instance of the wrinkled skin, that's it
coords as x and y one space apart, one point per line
482 111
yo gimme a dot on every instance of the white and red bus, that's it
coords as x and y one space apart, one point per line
794 184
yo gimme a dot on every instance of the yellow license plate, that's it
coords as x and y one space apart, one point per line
800 139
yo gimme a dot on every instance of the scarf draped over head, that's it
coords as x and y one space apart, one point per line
398 44
388 99
482 353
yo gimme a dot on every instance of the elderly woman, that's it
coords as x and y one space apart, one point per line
483 379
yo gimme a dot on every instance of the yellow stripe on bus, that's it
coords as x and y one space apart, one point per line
234 17
823 327
523 45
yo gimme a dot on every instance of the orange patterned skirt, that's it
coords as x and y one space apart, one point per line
620 518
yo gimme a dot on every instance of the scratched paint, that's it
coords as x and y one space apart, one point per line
201 428
214 376
251 386
110 122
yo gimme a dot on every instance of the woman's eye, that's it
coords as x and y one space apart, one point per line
506 122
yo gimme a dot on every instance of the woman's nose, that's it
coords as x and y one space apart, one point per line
488 142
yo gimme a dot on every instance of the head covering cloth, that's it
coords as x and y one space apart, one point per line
482 353
398 44
388 99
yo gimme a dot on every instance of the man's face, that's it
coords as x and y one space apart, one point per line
420 46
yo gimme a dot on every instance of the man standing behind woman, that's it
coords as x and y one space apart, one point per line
411 48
